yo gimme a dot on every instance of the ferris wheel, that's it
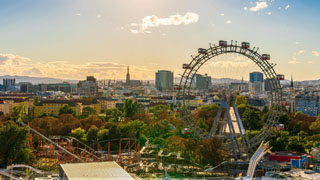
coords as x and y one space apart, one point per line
227 114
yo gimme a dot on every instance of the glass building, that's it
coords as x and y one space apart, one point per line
164 80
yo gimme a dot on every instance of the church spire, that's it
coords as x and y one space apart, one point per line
291 81
128 77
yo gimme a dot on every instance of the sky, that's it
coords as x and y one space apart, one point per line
70 39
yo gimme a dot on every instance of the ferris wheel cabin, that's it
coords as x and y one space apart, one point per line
186 66
223 43
280 77
265 57
245 45
202 51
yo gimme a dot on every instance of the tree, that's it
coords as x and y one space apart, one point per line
20 112
296 143
36 100
207 111
315 126
279 141
113 115
66 109
103 135
13 149
159 129
251 119
87 111
157 110
241 100
92 135
130 108
132 129
79 134
211 152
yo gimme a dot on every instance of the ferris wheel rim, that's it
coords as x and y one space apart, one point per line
267 68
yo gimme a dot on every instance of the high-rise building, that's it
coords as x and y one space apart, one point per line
256 82
201 82
128 77
9 84
88 87
256 77
164 80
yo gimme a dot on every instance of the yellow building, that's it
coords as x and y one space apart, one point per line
107 103
7 105
52 107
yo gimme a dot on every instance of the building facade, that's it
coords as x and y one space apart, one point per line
307 104
256 84
201 82
164 81
88 87
9 84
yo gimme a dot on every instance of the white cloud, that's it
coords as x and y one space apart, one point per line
78 14
134 31
99 16
268 13
11 64
310 62
154 21
259 6
245 8
295 56
287 7
221 14
316 53
228 22
300 52
293 62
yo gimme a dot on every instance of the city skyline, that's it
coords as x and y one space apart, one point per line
73 39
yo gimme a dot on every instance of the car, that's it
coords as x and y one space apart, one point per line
185 66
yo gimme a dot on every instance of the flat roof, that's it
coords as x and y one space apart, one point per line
95 170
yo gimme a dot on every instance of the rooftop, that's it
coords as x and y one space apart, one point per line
95 170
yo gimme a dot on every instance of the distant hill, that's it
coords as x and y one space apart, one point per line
36 80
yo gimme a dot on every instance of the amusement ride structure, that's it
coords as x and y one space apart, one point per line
227 124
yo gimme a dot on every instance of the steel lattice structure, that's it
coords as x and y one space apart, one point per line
268 70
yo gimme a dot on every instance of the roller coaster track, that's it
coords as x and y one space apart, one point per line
50 141
4 173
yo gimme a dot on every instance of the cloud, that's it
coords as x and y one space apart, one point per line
259 6
154 21
293 62
11 64
78 14
99 16
245 8
300 52
316 53
287 7
228 22
268 13
221 14
310 62
134 31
